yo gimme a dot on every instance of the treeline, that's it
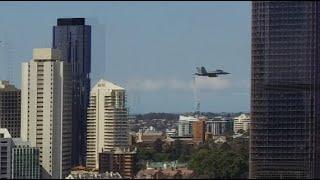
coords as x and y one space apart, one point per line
173 116
210 160
149 116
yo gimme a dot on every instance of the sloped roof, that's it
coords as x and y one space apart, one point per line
104 84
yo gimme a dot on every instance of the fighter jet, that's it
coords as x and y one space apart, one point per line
203 72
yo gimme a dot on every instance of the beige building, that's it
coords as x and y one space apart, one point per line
107 121
241 122
46 110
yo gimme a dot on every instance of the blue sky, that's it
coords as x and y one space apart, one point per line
149 48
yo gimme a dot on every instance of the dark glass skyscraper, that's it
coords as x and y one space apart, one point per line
285 97
73 38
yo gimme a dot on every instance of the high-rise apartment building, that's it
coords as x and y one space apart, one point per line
25 162
285 96
5 154
185 125
46 121
10 108
73 38
122 160
107 124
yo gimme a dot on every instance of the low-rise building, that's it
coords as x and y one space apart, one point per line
149 137
171 132
165 172
83 174
219 126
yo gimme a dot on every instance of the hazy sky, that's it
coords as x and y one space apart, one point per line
149 48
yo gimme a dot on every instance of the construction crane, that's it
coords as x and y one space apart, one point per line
203 72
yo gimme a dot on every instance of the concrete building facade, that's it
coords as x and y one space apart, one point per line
218 126
25 162
122 160
5 154
185 125
107 122
241 122
46 121
199 131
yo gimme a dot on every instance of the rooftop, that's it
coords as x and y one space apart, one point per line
93 175
70 21
4 133
46 54
6 86
103 84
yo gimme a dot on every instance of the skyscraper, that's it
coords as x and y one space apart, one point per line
10 108
46 121
285 97
107 124
73 38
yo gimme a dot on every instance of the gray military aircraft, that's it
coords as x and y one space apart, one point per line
203 72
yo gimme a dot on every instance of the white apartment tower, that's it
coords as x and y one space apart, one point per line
107 121
241 122
46 101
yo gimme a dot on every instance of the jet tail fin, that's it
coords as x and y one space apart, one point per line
203 70
199 70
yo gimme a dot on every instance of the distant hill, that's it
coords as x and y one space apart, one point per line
175 116
149 116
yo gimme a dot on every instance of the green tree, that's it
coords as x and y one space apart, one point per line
157 145
228 161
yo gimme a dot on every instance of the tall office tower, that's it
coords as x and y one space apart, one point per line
25 162
285 97
73 38
46 121
10 108
107 124
5 154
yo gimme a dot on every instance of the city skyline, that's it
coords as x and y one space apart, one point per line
152 56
